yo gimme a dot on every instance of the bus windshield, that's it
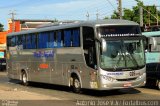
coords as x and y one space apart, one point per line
123 54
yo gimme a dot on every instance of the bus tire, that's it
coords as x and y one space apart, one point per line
158 84
76 85
24 78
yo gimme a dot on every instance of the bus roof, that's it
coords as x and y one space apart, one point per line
150 34
61 25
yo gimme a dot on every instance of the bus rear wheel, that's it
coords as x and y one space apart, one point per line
24 78
76 85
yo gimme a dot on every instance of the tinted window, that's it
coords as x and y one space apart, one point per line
72 37
9 41
31 41
28 41
52 39
34 41
50 43
59 42
21 41
67 38
43 39
13 41
24 41
76 38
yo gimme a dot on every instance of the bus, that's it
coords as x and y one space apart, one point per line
153 58
99 55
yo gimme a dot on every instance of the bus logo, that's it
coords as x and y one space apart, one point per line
46 54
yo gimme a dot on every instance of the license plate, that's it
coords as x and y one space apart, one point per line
127 84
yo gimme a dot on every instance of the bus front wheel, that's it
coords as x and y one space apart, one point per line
24 78
76 85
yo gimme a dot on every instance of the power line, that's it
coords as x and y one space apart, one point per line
111 4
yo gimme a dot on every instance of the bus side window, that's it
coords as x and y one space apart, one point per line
8 42
67 38
76 38
59 44
43 40
39 40
19 40
24 41
72 37
13 41
28 41
34 41
51 40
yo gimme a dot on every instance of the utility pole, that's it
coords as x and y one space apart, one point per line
97 14
141 16
157 11
120 8
12 13
149 16
157 15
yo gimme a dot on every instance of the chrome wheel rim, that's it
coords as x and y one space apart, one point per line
24 78
158 84
76 83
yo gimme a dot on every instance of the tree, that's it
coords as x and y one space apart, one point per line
106 17
1 27
115 15
149 13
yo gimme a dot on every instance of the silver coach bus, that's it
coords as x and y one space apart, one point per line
101 55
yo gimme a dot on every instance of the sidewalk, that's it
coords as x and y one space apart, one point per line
7 93
3 73
16 94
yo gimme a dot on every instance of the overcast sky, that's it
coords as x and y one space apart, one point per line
62 9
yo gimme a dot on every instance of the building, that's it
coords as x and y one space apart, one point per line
25 24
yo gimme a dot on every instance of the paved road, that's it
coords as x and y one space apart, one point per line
60 95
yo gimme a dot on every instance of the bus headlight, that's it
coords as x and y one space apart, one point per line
140 76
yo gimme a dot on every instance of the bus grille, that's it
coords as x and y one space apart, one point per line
128 79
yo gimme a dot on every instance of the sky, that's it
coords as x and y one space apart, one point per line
62 9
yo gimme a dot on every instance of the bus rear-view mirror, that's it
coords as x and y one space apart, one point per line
153 41
104 45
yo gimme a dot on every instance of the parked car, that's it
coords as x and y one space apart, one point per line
153 74
2 64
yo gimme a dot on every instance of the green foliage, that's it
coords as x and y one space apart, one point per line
106 17
115 15
1 27
149 13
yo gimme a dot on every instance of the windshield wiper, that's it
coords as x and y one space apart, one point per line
121 56
134 60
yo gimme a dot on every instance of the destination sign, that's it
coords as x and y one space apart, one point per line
117 35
